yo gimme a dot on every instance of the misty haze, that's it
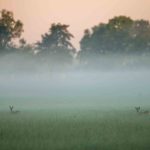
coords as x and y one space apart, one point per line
77 89
57 95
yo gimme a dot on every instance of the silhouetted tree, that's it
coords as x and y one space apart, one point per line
58 36
25 47
140 35
121 35
10 29
55 46
119 29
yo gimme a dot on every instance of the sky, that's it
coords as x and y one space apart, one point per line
38 15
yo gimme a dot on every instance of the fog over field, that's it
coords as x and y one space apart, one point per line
76 89
90 95
48 105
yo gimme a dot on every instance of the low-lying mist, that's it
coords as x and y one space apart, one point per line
29 83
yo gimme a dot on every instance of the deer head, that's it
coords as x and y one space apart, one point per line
137 109
11 108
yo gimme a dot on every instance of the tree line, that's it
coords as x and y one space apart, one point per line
120 36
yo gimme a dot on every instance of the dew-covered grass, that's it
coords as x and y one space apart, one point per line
75 129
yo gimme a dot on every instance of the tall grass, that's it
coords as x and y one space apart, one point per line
74 130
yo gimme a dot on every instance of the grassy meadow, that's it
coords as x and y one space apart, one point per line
75 129
76 113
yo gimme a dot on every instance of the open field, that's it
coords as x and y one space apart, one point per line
76 129
82 112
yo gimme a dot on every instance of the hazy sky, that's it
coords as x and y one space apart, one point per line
37 15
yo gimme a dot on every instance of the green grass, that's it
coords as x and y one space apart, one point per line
74 130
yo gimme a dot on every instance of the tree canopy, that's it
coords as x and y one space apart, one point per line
58 36
120 35
55 46
10 29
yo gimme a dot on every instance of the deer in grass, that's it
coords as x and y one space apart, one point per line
139 111
13 111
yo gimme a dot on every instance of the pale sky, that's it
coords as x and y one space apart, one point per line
38 15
